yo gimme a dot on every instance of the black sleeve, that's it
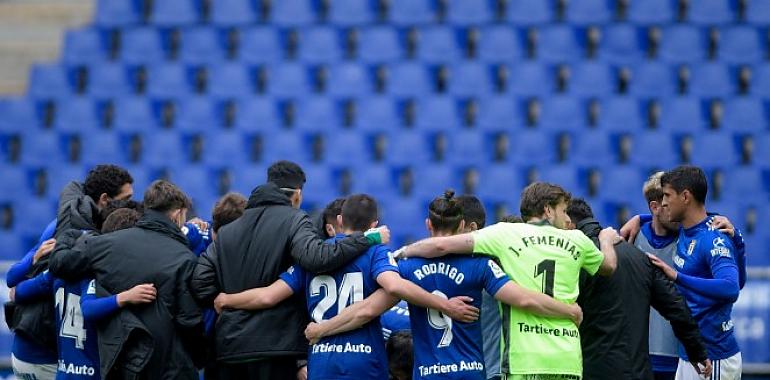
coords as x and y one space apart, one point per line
189 318
204 284
70 260
667 300
312 254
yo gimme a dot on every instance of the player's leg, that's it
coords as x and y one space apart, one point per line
685 371
730 368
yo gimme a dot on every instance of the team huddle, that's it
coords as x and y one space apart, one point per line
122 289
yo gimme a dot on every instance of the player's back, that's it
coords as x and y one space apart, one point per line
77 339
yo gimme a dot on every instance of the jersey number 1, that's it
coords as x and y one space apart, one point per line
71 318
548 269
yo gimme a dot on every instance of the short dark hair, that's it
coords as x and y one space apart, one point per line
164 196
537 195
359 211
445 212
687 177
286 174
400 353
120 219
106 179
578 209
473 210
227 209
118 204
331 211
511 219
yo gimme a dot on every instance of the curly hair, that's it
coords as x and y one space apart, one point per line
106 179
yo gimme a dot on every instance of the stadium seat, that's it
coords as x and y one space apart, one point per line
259 45
59 174
744 185
141 45
224 148
76 114
469 12
99 147
710 12
321 185
711 80
13 247
714 150
620 44
247 177
201 45
498 181
163 149
621 114
170 13
530 147
557 44
647 12
134 114
499 44
377 113
740 45
350 12
654 150
407 148
83 46
232 12
591 79
470 79
49 81
498 114
379 44
349 80
37 213
168 80
292 13
108 80
468 147
682 44
317 113
618 183
588 12
19 114
431 180
437 113
758 13
409 79
196 114
682 114
320 45
285 146
529 12
760 80
761 145
196 181
593 148
408 214
438 44
116 13
343 148
288 79
257 114
230 80
744 114
566 175
411 12
652 79
377 180
40 148
530 79
563 113
15 183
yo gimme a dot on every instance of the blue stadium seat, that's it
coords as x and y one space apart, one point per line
116 13
247 177
589 12
499 44
201 45
224 148
288 13
758 13
409 79
350 12
168 80
317 113
232 12
377 113
285 146
377 180
437 113
563 113
652 79
40 148
760 80
411 12
349 80
498 181
19 114
470 79
529 12
711 80
101 147
438 44
557 44
682 114
108 80
37 213
230 80
407 148
344 148
49 81
174 13
654 149
761 145
431 180
530 79
321 185
141 45
379 44
618 183
530 147
196 114
76 114
682 44
257 114
592 148
197 181
740 45
320 44
83 46
259 45
591 79
621 114
565 175
59 174
468 147
15 183
407 216
744 114
498 113
288 79
710 12
469 12
649 12
134 114
13 248
743 184
163 149
142 175
714 150
620 44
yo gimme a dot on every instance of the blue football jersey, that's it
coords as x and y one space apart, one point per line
357 354
443 348
197 239
395 319
700 252
78 345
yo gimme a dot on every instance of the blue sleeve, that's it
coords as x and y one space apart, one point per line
725 284
34 288
493 275
382 261
197 240
295 278
93 307
645 218
740 256
18 272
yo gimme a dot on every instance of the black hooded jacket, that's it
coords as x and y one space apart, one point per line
252 252
616 314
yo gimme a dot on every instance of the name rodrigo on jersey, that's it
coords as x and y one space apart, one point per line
341 348
72 369
440 268
437 369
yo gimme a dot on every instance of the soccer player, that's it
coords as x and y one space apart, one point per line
706 271
396 319
538 255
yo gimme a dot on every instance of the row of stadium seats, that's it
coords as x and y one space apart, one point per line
587 79
620 43
408 12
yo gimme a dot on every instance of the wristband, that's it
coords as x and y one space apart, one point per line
373 236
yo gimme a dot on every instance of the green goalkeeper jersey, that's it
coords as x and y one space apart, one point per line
546 259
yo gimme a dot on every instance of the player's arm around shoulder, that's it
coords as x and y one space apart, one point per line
608 238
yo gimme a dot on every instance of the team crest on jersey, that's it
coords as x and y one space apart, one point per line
496 270
691 247
290 270
185 230
719 247
678 260
91 287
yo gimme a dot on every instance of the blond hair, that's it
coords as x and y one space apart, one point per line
652 189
